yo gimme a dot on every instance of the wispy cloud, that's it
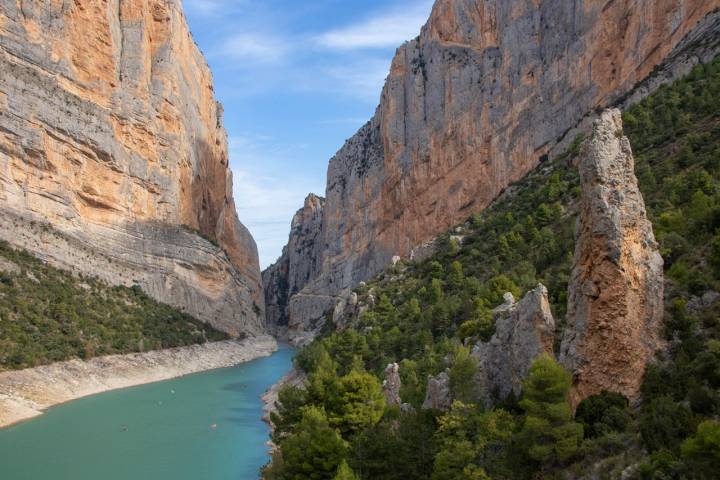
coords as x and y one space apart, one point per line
287 68
387 29
266 194
255 47
363 78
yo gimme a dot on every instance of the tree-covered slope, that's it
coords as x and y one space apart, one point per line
426 315
49 315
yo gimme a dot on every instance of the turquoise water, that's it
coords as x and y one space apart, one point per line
150 433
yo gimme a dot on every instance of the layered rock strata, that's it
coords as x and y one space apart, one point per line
523 331
27 393
113 157
615 293
487 91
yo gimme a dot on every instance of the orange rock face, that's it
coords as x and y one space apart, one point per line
488 89
111 138
615 292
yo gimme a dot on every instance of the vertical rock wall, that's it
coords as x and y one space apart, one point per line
487 90
113 157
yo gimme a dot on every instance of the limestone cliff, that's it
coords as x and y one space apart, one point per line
523 331
113 157
298 264
488 90
615 294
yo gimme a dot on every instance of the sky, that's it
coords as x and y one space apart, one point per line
296 78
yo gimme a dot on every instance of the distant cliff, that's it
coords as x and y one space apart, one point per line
489 90
298 264
113 157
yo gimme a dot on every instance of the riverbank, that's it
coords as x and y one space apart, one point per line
295 377
25 394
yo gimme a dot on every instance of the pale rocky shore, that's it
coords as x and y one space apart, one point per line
27 393
295 377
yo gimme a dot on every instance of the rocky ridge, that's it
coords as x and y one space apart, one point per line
486 92
113 157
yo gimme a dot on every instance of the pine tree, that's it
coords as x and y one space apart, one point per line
344 472
313 452
549 434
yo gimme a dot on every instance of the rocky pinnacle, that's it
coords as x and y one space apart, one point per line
615 298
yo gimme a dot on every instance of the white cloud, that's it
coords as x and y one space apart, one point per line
363 79
389 29
267 194
255 47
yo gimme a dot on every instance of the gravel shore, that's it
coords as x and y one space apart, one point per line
27 393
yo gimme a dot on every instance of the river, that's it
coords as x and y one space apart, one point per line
205 426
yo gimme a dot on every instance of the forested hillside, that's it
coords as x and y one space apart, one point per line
49 315
426 316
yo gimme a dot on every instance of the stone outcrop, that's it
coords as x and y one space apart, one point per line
391 385
113 157
27 393
437 394
299 263
523 331
615 293
487 91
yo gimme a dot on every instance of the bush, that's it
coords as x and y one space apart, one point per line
603 413
664 424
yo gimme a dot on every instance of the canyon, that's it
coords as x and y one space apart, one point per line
114 159
488 91
499 128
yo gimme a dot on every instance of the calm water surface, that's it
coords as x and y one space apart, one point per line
205 426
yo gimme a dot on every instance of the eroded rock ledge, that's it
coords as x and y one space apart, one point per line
27 393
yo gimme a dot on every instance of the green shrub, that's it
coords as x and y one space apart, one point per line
603 413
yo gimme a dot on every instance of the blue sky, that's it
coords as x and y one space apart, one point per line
296 78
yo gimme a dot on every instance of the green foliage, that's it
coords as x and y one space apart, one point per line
49 315
549 434
469 441
701 452
404 442
344 472
314 450
291 399
356 403
427 315
462 376
603 413
664 423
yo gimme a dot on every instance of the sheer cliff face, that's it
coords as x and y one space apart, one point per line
113 158
475 102
298 264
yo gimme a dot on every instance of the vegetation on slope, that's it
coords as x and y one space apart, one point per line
49 315
421 315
